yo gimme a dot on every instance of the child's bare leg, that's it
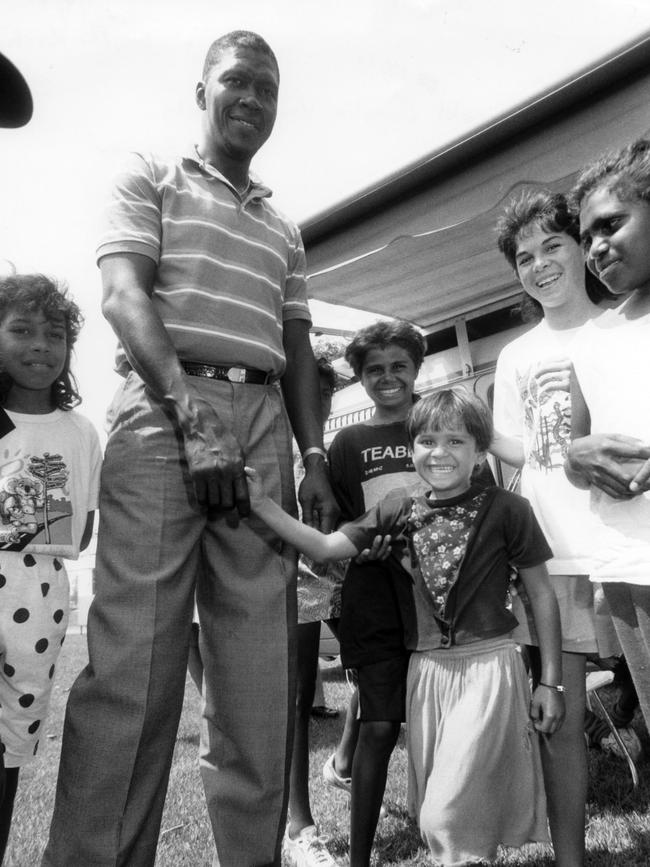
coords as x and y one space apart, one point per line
369 770
7 808
299 806
630 608
194 661
564 759
345 749
319 692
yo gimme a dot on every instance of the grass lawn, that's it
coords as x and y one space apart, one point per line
618 832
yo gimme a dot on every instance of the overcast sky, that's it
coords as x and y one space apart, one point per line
367 86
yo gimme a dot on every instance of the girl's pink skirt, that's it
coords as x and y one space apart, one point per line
475 777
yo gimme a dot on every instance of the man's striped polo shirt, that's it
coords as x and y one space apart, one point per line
230 268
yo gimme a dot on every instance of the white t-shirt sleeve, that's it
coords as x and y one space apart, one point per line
94 466
508 405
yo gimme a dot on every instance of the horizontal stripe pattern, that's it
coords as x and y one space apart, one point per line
230 270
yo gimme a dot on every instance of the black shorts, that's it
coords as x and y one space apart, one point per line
376 613
382 689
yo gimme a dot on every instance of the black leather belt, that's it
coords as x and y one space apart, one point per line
229 374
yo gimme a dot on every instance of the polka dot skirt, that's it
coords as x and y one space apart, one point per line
34 605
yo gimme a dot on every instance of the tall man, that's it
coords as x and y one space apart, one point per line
204 285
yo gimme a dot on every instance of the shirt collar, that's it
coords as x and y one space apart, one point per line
471 492
256 190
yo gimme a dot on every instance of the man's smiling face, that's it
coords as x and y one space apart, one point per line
240 98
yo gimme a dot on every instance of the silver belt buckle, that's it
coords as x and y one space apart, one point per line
236 374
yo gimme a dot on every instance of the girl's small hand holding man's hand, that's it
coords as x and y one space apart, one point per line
547 709
379 550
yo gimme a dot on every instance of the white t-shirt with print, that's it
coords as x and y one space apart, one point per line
541 420
49 481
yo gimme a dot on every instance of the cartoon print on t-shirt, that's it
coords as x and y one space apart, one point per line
35 505
547 417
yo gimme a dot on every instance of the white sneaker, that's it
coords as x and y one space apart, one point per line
307 849
629 738
333 779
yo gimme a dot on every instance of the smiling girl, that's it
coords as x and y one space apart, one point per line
474 770
367 461
49 480
532 407
611 449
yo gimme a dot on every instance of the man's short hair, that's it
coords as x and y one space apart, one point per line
625 172
445 409
381 335
552 213
237 39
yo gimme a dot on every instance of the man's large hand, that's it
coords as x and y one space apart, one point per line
215 462
319 508
609 462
